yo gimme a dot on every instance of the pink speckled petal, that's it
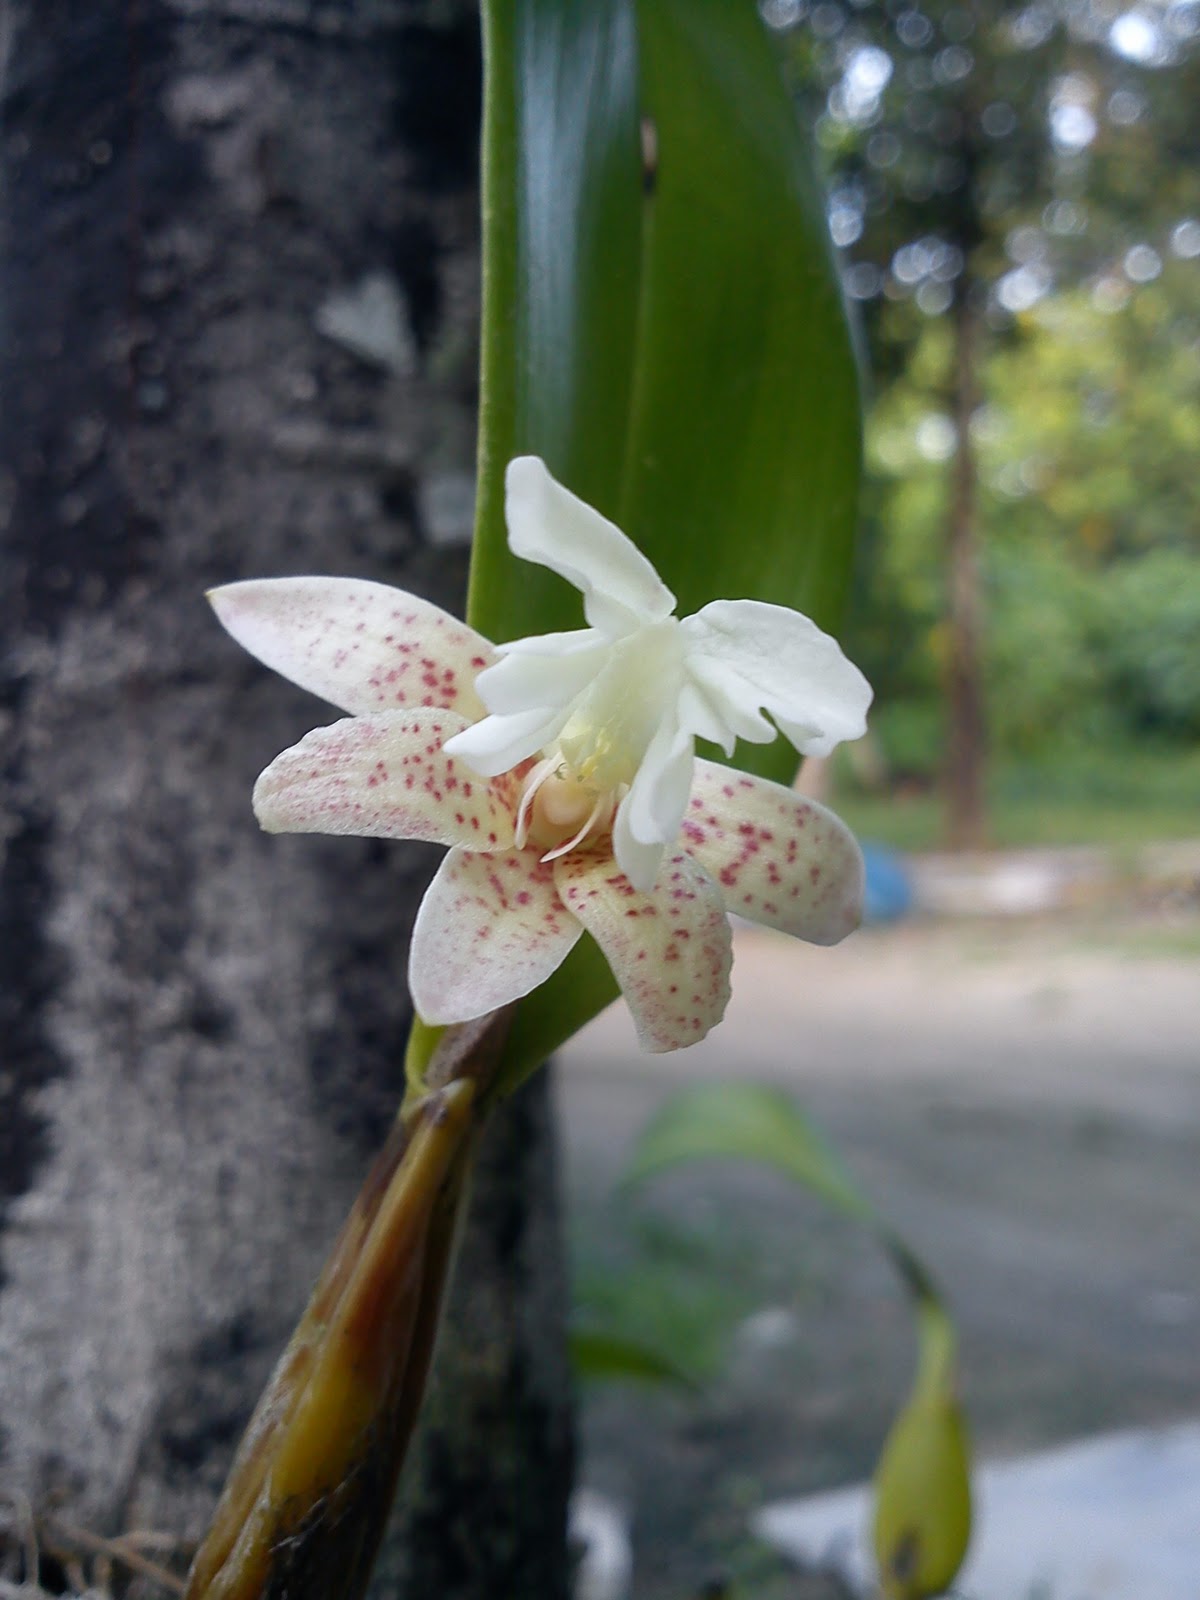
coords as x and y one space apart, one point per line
670 949
777 858
362 646
490 929
385 777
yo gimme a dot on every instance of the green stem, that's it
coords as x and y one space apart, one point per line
312 1484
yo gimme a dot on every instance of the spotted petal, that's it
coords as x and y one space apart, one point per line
550 525
746 656
364 647
777 859
670 950
385 777
490 929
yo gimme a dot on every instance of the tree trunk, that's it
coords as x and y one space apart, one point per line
966 738
204 1027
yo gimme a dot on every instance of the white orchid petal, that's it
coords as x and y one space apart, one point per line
497 744
554 644
385 777
670 949
364 647
765 656
659 792
777 858
724 692
531 681
549 525
637 860
490 929
702 717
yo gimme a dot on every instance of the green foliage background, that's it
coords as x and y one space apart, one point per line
1091 505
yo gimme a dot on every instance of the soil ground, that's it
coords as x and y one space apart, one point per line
1021 1098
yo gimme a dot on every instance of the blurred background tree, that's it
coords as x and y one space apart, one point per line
1016 190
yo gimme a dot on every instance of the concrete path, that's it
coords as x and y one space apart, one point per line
1022 1099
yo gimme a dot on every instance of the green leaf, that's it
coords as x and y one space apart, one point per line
747 1123
612 1357
662 323
562 215
741 474
661 316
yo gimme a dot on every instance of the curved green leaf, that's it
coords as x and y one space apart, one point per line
613 1357
746 1122
661 316
749 1122
562 221
742 460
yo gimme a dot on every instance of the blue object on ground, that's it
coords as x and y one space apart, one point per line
889 889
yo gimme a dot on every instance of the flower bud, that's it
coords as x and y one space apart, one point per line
923 1489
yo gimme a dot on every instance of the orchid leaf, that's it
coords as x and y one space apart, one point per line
662 320
662 324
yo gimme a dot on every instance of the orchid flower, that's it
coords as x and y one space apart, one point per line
561 770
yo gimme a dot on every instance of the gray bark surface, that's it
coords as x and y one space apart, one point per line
201 1027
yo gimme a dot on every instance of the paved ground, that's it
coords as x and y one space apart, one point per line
1112 1517
1022 1097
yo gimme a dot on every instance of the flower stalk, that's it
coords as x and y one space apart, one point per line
309 1493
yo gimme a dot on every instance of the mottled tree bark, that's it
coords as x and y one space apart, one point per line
203 1027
